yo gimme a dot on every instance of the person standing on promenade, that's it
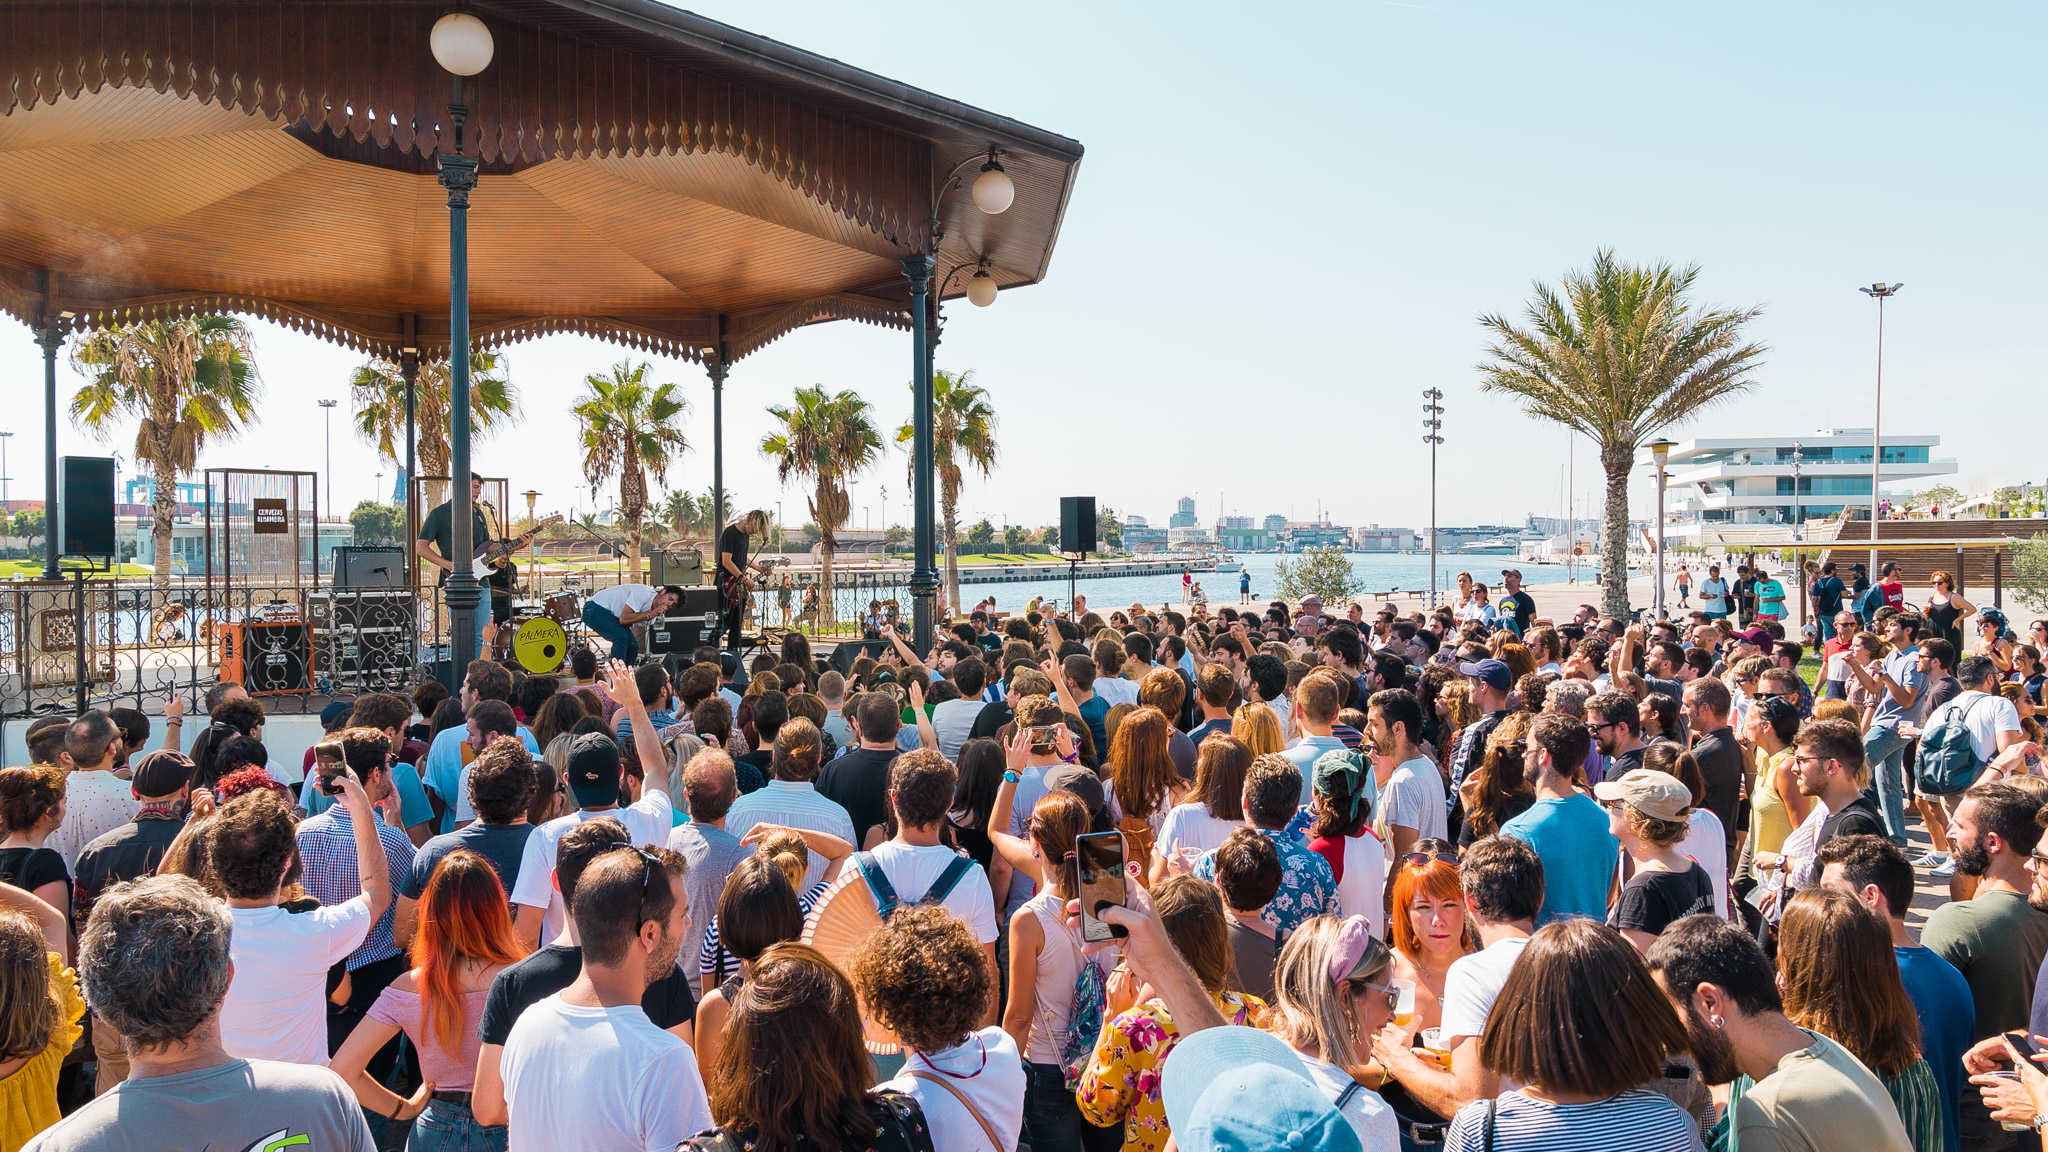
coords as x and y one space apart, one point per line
1714 594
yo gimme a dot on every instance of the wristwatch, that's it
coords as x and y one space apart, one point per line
1010 777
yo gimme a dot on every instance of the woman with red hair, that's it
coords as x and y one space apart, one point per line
464 940
1426 921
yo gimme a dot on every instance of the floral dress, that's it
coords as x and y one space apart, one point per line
1121 1082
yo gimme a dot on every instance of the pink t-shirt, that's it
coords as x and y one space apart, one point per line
446 1071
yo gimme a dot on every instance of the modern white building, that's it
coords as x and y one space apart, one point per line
1754 481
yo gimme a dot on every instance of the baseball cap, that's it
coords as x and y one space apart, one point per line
1312 601
1493 673
161 773
1507 572
1082 782
593 770
1238 1089
1658 795
1759 636
336 714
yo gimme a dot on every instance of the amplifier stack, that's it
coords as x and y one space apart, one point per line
364 638
690 624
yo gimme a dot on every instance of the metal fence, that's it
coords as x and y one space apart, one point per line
70 645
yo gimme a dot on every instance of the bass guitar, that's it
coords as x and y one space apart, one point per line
733 590
495 555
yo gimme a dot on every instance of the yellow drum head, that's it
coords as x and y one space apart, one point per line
540 645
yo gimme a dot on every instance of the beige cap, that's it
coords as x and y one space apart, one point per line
1658 795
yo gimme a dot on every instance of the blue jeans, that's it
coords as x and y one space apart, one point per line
602 622
1052 1121
448 1126
1884 750
1826 620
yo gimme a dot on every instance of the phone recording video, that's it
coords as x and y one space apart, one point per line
1044 738
1099 882
328 765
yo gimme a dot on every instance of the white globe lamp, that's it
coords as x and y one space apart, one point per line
461 43
981 289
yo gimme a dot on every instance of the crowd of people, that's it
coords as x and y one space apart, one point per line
1473 879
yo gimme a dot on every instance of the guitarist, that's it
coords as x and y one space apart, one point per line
733 576
436 545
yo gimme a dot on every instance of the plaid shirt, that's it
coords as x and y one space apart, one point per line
327 845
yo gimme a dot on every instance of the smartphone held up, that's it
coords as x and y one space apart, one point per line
1098 864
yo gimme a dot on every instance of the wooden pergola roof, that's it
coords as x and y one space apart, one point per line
648 176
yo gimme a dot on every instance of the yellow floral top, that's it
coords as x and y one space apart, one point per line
1121 1082
28 1096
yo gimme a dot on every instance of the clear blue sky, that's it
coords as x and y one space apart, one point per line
1290 215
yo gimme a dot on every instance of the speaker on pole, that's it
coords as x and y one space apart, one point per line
1077 524
85 506
849 651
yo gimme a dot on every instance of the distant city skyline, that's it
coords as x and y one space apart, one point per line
1262 266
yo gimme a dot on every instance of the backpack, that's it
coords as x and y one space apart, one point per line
1948 762
886 900
1084 1020
1139 837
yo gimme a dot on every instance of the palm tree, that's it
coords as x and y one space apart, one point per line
690 514
629 431
1619 354
963 434
189 379
827 439
377 390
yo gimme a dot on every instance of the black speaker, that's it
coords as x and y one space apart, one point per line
85 506
366 567
276 658
852 650
680 635
1077 523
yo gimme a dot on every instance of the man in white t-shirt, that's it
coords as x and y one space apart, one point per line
921 784
1408 793
585 1067
95 800
953 720
968 1080
1992 721
594 782
612 612
1503 882
276 1006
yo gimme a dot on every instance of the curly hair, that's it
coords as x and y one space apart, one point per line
27 795
243 781
252 844
923 976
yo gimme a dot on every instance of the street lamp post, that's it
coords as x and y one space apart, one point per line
1660 451
533 545
1879 292
327 469
462 45
4 438
1432 429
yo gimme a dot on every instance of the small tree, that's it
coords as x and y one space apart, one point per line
1109 528
377 523
1015 540
981 537
2029 577
1324 570
1052 537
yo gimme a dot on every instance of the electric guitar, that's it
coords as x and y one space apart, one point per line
495 555
732 590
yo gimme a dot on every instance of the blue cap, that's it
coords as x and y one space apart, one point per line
335 714
1237 1089
1494 673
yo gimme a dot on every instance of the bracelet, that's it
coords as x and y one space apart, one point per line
1074 759
1010 777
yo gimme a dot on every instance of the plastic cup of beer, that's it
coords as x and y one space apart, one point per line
1433 1042
2008 1125
1404 1003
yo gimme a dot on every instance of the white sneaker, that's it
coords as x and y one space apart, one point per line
1931 859
1944 869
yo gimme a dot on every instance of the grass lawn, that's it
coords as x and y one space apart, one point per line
1001 558
30 569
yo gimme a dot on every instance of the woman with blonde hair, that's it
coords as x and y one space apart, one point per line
1839 977
789 850
1259 727
1454 712
1333 991
464 940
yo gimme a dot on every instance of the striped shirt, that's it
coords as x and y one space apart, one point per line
715 961
792 804
1638 1120
327 845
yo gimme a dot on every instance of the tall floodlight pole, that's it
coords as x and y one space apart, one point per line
1879 292
1432 435
1660 451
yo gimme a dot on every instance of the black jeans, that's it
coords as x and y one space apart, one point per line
1053 1122
365 985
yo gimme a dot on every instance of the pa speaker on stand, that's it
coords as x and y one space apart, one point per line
1077 538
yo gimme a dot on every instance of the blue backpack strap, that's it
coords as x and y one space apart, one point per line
884 893
947 881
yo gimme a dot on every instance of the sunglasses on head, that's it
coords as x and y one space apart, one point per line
1424 859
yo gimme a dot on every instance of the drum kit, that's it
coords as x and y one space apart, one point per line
538 635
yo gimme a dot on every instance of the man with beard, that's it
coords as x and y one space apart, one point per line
1997 938
585 1067
1809 1093
1616 724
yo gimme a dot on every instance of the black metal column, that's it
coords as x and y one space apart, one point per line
458 176
409 370
717 369
924 575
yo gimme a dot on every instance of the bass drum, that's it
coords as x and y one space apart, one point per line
540 645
